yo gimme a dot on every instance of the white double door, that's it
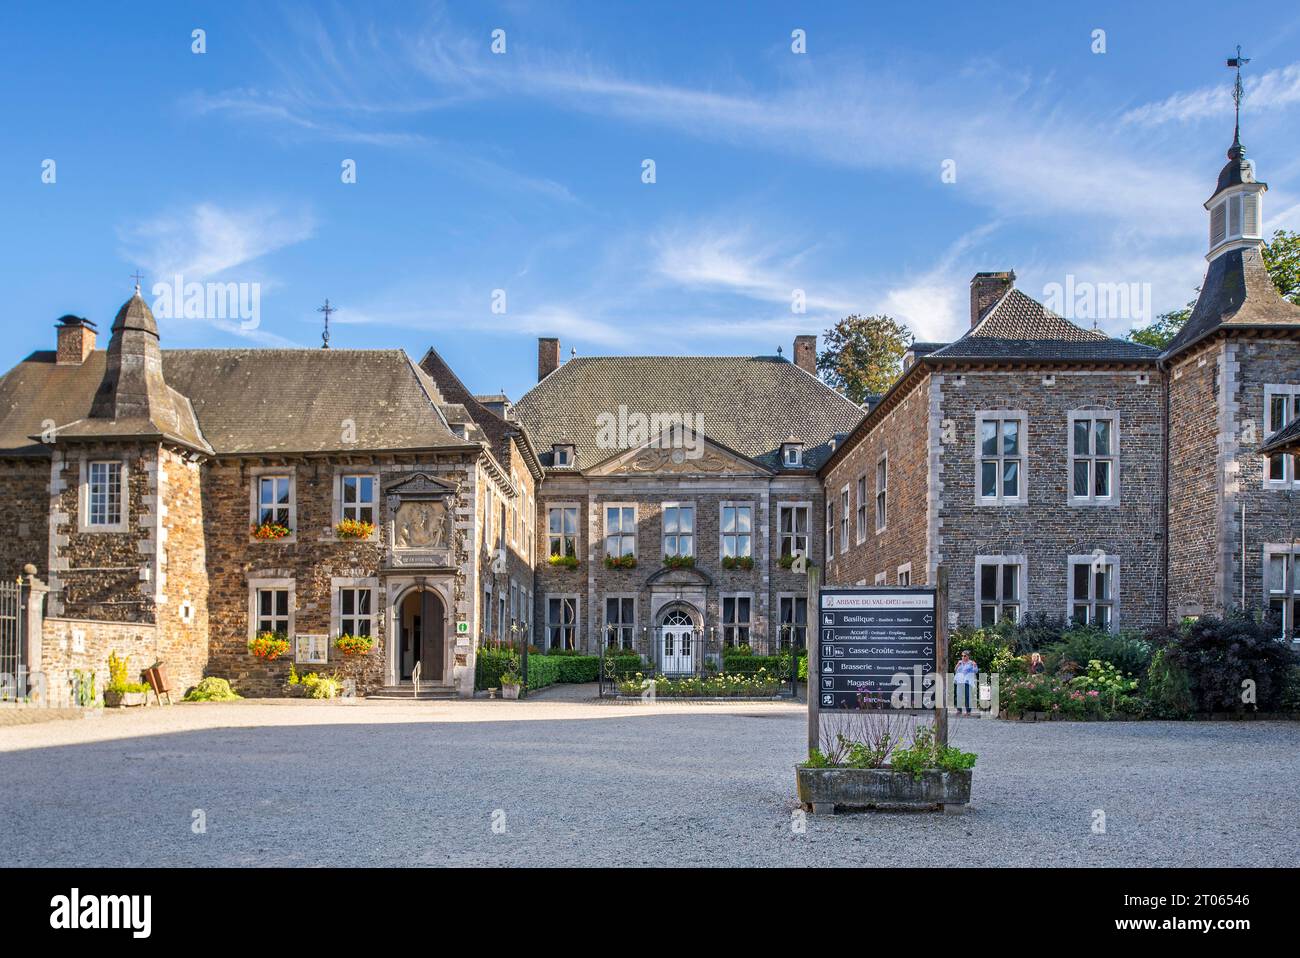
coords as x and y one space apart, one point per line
677 643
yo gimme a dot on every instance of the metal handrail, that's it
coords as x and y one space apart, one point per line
415 679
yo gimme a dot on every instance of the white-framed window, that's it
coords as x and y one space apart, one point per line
1282 589
999 589
562 455
562 529
792 454
514 603
1094 457
620 529
736 522
620 621
679 529
1094 584
502 620
103 496
271 607
860 509
529 519
830 526
881 579
844 518
792 620
359 498
905 574
1281 406
882 488
562 621
737 618
311 648
354 606
792 525
274 499
1000 456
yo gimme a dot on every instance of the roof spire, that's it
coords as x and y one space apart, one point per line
326 309
1238 94
137 276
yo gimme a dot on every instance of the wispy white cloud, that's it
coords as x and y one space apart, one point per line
206 240
1275 90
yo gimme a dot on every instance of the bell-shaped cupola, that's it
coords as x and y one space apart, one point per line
1236 213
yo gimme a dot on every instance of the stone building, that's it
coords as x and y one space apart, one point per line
1054 470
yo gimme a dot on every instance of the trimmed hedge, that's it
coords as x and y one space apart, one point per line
623 665
572 668
543 670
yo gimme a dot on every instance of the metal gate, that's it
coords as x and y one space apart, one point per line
13 647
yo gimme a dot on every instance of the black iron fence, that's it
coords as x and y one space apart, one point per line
698 659
13 650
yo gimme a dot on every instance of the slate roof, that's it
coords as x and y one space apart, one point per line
1237 293
1019 327
1286 439
748 404
249 401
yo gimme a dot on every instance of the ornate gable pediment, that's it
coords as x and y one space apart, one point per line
703 458
421 486
421 526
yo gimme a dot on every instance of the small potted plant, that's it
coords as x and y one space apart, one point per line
119 693
270 531
354 529
269 645
511 682
352 645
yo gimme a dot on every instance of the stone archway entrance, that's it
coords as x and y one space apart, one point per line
421 635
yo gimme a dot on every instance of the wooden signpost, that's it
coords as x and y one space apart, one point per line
861 639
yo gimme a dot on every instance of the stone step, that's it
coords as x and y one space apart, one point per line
406 693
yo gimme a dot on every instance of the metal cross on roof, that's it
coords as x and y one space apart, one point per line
137 276
1238 92
326 309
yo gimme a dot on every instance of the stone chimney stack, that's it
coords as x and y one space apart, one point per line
548 357
986 289
76 340
805 353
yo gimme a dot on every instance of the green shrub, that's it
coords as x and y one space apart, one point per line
984 645
1219 656
926 753
1291 694
622 665
1076 648
211 689
1169 694
573 668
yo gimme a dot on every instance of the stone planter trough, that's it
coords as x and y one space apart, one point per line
825 790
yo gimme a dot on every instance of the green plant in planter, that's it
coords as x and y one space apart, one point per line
269 645
563 562
620 562
351 645
738 562
511 678
679 562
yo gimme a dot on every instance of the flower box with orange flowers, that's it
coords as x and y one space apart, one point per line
353 645
270 531
269 645
354 529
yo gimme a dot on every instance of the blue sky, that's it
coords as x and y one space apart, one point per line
522 171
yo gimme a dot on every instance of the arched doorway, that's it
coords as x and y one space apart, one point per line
677 645
421 635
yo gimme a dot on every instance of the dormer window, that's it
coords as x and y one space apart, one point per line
562 456
792 454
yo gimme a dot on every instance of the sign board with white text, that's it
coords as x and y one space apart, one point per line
866 637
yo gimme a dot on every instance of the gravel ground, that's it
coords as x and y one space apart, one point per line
578 783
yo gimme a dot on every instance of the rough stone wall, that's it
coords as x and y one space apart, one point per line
311 559
182 611
108 576
1272 512
1048 529
1195 484
84 645
24 516
902 435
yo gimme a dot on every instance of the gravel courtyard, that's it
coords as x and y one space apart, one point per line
578 783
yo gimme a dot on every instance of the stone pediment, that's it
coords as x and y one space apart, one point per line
421 486
702 457
422 523
667 578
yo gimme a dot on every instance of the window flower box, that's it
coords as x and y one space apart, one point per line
563 562
269 645
620 562
679 562
738 562
787 562
270 531
354 645
354 529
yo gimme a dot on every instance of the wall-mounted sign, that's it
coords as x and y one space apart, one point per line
462 628
866 637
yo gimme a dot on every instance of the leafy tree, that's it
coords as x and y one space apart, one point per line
1281 259
863 355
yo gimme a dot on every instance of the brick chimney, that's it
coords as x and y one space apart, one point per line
986 289
76 340
805 353
548 357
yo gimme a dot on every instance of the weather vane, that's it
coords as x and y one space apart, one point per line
326 309
1238 91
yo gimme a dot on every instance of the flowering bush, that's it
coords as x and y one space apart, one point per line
620 562
269 645
761 684
354 529
354 644
270 531
1105 683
